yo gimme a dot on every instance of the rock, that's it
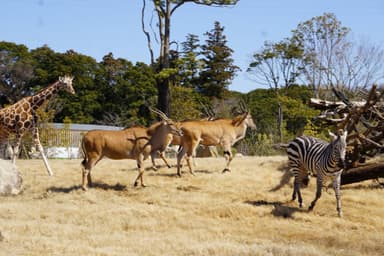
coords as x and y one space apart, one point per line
10 178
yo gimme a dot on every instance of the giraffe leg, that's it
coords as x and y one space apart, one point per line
41 150
16 148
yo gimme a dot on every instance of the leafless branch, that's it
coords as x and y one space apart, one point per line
146 33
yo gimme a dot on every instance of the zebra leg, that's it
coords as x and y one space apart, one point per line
296 185
180 156
296 190
336 187
318 191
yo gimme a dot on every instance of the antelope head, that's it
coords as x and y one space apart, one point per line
246 116
175 127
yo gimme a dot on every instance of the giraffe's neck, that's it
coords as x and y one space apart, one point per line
38 99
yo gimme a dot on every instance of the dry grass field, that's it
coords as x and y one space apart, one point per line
208 214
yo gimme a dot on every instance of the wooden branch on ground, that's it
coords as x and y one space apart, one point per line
364 121
326 104
362 173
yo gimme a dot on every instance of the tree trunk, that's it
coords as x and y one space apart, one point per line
362 173
280 122
164 97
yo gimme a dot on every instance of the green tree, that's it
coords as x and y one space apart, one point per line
16 69
218 70
294 101
190 65
263 104
185 103
164 10
111 81
126 91
82 107
277 65
295 106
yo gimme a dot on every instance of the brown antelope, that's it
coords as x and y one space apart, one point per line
223 132
131 143
169 141
175 140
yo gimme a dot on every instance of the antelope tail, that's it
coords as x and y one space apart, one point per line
84 154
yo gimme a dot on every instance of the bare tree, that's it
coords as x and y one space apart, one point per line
324 40
164 10
360 66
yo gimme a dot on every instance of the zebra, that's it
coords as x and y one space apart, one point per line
309 155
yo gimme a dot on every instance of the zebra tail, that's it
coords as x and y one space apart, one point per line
280 146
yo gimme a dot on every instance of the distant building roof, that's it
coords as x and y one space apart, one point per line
86 127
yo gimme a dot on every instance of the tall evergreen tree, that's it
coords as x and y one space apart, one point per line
190 65
218 70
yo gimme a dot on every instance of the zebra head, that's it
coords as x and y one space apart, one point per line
339 142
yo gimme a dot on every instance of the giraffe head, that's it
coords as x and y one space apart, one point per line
66 83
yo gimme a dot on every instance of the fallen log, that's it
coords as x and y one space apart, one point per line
362 173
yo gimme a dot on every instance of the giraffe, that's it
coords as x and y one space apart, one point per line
21 116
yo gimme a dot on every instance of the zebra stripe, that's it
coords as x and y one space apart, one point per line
308 155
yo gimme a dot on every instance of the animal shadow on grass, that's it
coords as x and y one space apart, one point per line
162 174
279 210
285 178
174 174
95 185
204 171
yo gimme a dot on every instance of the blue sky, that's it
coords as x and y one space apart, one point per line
97 27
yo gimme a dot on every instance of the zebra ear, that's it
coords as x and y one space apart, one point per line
333 136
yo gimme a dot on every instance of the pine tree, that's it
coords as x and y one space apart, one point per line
218 70
190 65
